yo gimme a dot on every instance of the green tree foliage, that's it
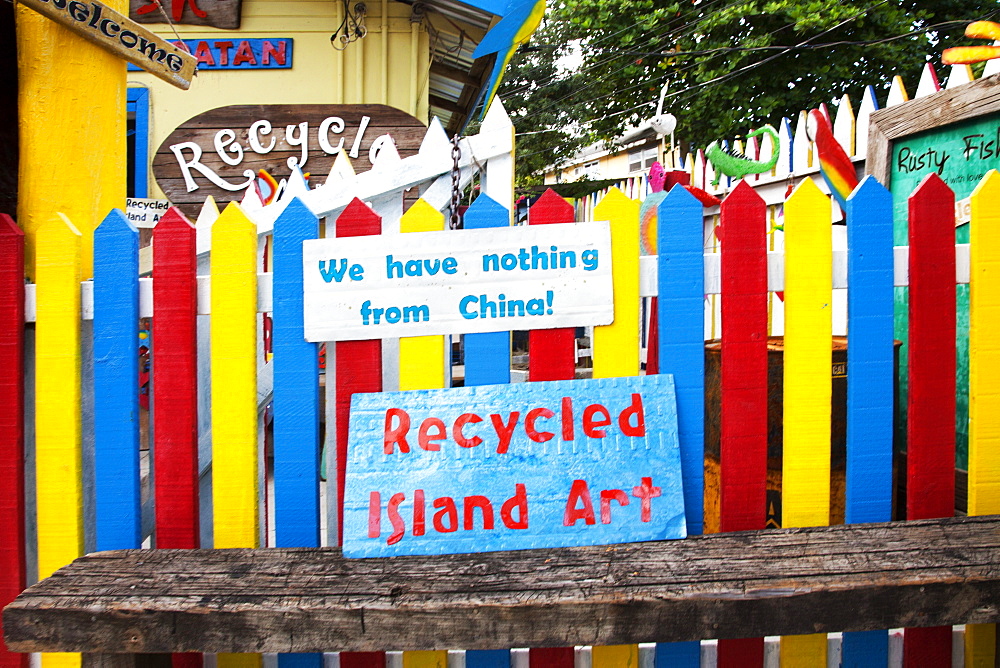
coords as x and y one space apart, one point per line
731 65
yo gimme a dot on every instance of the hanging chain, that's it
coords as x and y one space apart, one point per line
456 191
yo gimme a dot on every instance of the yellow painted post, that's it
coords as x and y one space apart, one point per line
984 397
421 358
616 346
58 424
421 367
73 158
807 381
234 390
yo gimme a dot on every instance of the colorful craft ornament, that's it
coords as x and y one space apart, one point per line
737 165
515 28
967 55
834 163
648 209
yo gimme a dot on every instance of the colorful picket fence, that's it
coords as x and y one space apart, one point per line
80 382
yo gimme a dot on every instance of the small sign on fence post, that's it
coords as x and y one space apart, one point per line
507 467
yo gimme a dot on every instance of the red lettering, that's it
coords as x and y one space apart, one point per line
398 526
426 439
567 419
223 47
468 511
607 496
634 409
645 492
418 513
374 515
448 512
504 431
244 54
529 424
204 54
519 502
579 492
590 424
396 435
456 430
268 51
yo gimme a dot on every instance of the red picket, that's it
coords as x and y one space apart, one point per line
743 426
930 428
358 369
12 557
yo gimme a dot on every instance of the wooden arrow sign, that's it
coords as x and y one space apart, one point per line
122 36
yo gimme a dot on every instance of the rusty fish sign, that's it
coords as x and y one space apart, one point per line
220 152
509 467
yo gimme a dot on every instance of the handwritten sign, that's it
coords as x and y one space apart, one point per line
101 25
508 467
272 53
489 280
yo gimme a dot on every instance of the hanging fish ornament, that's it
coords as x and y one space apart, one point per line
737 165
834 163
966 55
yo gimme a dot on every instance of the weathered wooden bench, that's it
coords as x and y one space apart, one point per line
787 581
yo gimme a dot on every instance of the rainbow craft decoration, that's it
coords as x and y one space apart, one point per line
966 55
834 163
647 212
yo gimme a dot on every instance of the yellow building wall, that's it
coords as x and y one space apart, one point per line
391 65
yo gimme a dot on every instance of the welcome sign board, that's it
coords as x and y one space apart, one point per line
506 467
457 282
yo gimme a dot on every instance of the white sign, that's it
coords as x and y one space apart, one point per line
458 282
145 212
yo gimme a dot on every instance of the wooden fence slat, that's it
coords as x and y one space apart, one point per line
116 393
58 420
175 382
743 424
930 461
357 368
551 352
616 346
12 557
984 369
235 482
870 381
487 356
808 387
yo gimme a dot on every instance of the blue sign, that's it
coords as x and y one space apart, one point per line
510 467
271 53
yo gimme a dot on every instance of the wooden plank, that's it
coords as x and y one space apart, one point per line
175 382
116 398
223 14
616 346
847 577
13 567
870 384
984 366
930 437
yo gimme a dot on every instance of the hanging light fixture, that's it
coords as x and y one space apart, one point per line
352 28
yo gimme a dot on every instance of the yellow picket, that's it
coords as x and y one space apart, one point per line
58 424
807 382
421 358
616 346
234 390
984 368
615 656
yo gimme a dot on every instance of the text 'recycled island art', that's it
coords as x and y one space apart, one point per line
507 467
459 282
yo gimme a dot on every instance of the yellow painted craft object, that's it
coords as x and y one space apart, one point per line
421 358
58 425
807 382
984 369
616 346
234 390
73 158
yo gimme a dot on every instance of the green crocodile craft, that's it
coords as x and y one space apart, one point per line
737 165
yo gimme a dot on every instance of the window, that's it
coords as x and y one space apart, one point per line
590 170
137 137
642 159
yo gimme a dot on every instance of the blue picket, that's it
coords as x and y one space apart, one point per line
870 378
296 400
487 356
116 388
